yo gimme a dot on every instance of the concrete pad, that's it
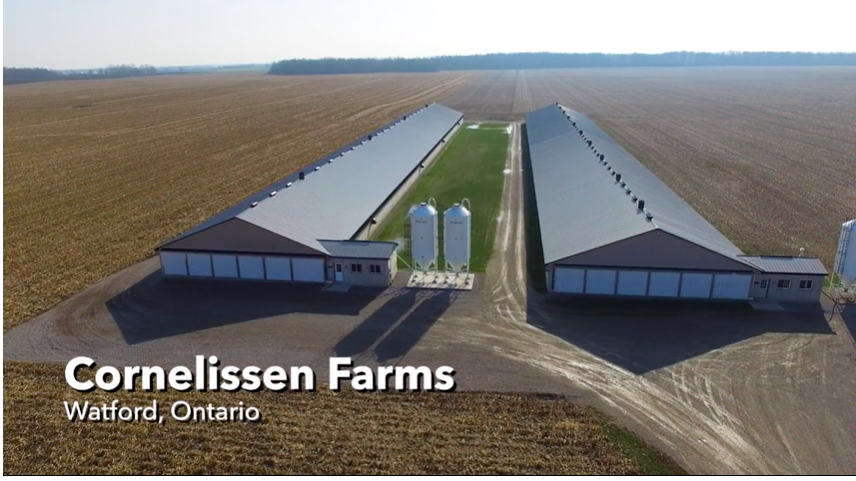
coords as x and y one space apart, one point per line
766 306
441 280
337 287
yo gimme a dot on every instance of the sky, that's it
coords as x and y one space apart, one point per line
66 34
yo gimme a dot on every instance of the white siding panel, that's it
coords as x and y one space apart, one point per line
696 285
568 280
278 268
251 267
664 284
199 265
632 283
599 281
225 265
174 263
732 286
308 269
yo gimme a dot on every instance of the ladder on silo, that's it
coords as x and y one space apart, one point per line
841 255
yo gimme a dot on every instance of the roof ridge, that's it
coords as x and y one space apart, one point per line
601 159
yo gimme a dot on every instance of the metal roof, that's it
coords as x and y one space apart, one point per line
582 205
787 264
359 249
344 188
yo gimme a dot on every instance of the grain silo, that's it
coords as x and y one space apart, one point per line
423 235
845 255
456 237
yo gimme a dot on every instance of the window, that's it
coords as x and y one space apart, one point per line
356 268
374 268
763 283
806 285
784 283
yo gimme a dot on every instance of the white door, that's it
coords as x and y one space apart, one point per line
308 269
224 265
278 268
199 265
632 283
732 286
340 273
696 285
664 284
568 280
174 263
251 267
600 281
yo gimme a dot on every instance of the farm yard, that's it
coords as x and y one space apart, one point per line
471 167
98 173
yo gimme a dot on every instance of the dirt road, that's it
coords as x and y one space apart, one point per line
720 390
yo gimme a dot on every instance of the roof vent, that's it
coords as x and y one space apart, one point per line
633 197
273 193
288 184
627 189
640 204
649 216
613 173
370 136
254 204
602 157
623 184
317 168
301 175
618 177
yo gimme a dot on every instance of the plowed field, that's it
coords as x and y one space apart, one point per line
767 155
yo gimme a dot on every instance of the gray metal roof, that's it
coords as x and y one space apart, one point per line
581 206
787 264
359 249
344 188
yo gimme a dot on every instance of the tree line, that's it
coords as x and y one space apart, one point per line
26 75
521 61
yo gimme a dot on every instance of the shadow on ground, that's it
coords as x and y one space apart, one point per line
397 326
848 313
644 335
157 307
